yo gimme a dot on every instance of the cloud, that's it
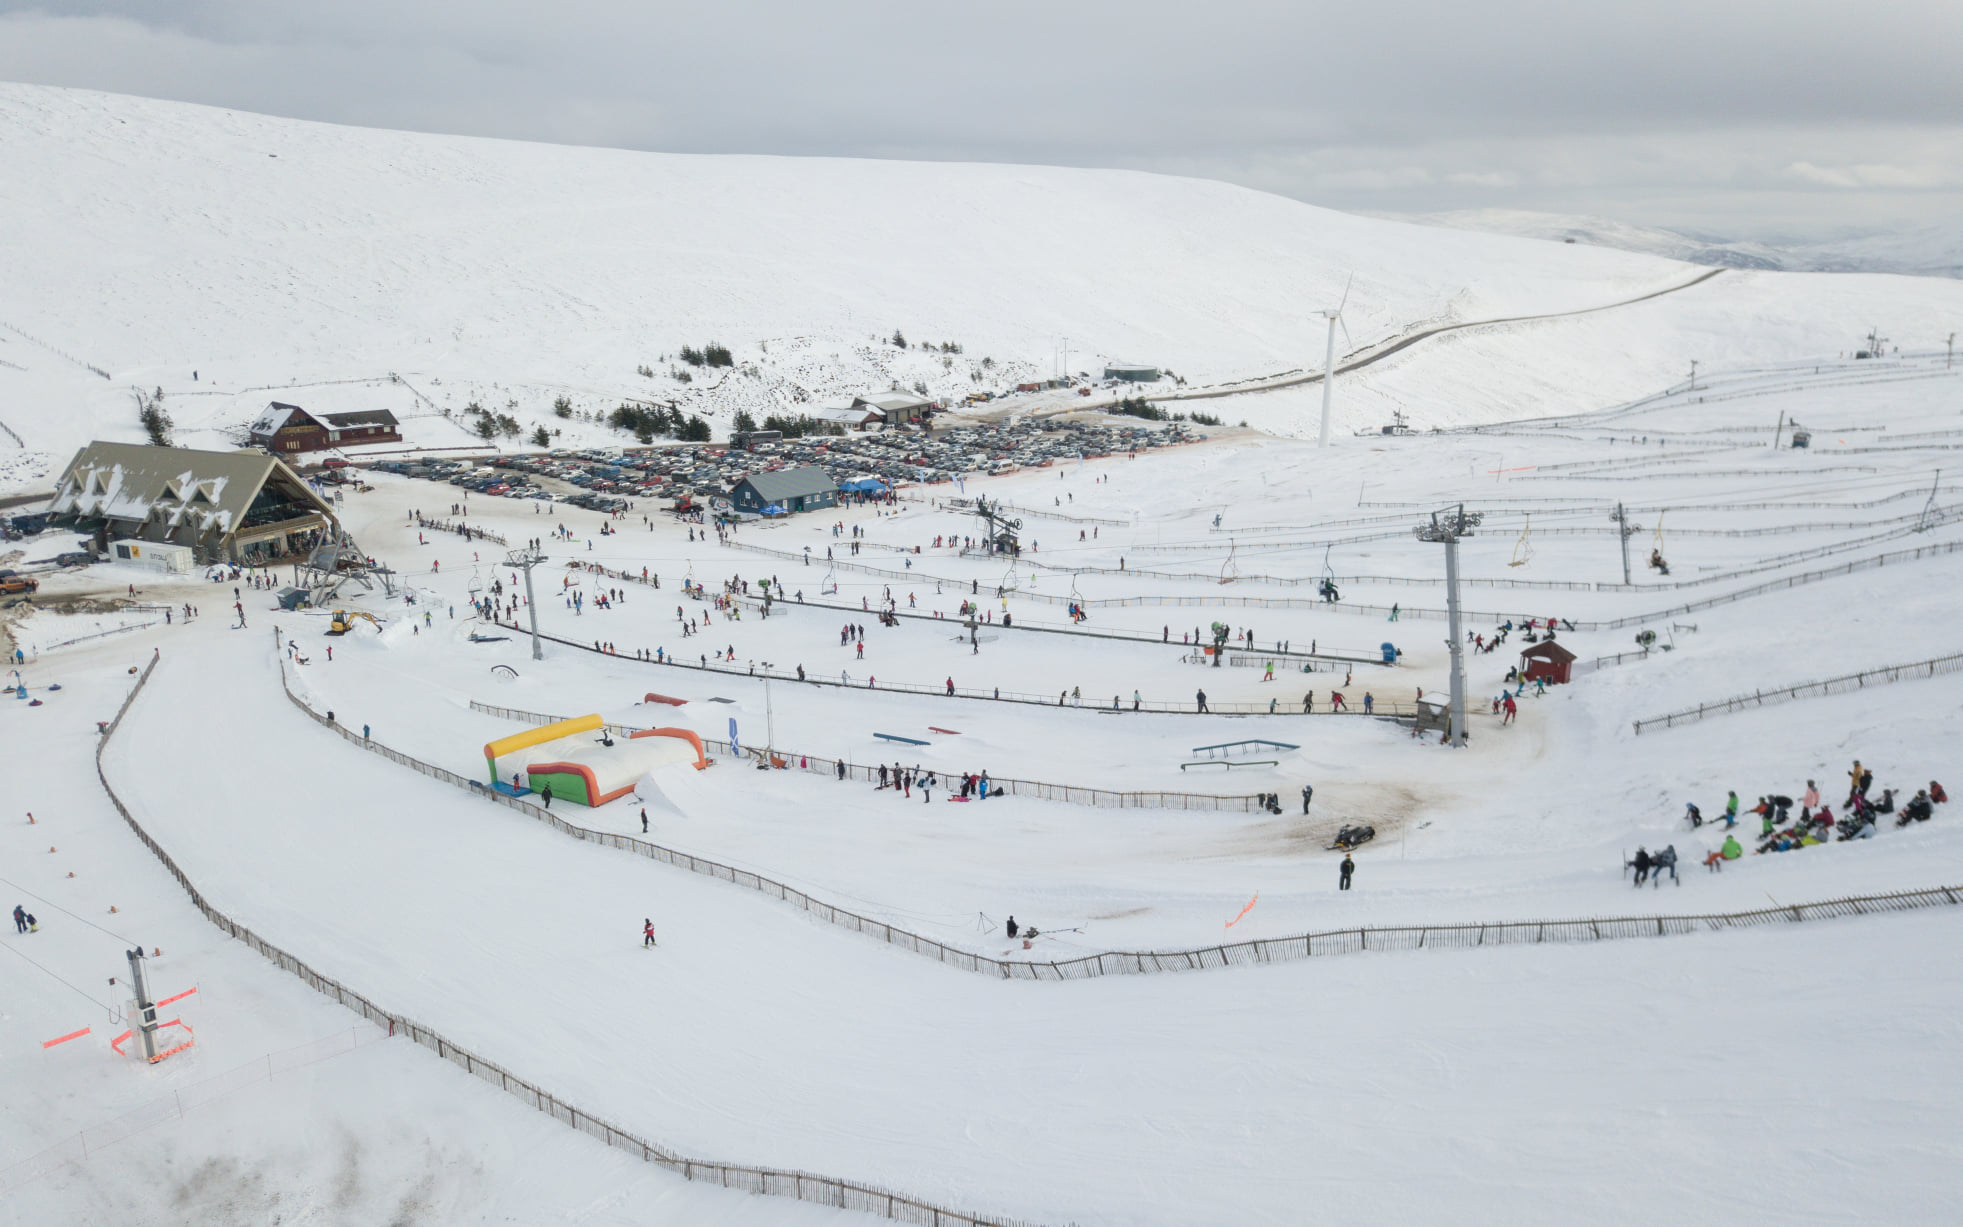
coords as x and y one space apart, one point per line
1374 179
1879 175
1604 109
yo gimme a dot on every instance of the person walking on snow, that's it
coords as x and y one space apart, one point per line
647 934
1200 698
644 820
1512 709
1308 793
1731 810
20 919
1348 868
546 792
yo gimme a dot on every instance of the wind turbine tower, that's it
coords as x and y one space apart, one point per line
1334 317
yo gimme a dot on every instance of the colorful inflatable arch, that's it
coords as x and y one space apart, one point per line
570 757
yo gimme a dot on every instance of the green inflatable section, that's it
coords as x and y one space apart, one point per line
565 786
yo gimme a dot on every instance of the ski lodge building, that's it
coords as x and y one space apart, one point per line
859 416
895 408
790 490
242 506
285 430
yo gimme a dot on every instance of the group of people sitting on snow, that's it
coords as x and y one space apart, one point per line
1859 818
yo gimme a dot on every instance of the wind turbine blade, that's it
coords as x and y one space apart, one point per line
1347 343
1346 294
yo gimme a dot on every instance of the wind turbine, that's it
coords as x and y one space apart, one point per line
1334 317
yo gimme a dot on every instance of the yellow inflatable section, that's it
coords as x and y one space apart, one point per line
494 750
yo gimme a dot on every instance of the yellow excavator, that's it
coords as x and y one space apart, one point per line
344 622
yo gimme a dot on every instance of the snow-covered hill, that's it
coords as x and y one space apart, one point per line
1923 251
146 241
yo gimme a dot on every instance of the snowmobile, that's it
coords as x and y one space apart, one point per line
1352 837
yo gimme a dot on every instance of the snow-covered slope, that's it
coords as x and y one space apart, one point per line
1925 251
151 240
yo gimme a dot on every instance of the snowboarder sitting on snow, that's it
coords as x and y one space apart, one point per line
1694 815
1729 851
1936 793
1641 865
1919 809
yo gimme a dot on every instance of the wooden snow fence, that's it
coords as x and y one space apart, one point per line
1913 671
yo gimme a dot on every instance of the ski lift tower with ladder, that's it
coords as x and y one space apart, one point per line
1447 529
525 560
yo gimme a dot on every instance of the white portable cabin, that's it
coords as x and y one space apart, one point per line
156 555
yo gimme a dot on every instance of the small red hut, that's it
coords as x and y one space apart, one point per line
1546 660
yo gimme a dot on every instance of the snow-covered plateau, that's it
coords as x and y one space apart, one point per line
1791 1064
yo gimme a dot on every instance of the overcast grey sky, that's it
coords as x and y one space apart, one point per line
1747 118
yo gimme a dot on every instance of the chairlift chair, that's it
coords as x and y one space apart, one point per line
1523 549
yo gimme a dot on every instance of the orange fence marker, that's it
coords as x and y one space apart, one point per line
1244 911
63 1039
